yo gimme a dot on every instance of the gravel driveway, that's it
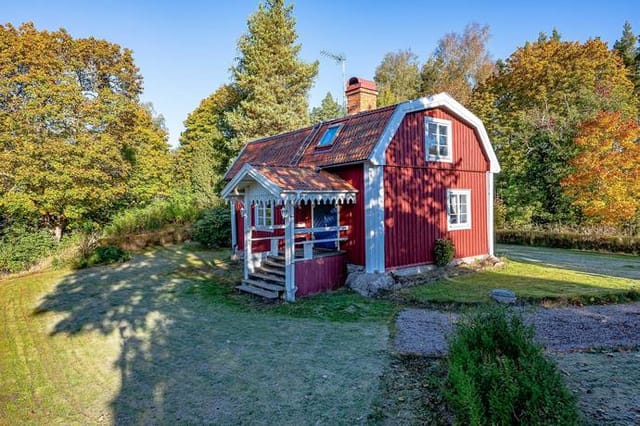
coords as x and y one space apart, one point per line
558 329
614 265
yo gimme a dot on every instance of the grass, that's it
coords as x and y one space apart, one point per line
137 343
534 283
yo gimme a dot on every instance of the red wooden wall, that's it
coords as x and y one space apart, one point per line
352 214
415 192
320 274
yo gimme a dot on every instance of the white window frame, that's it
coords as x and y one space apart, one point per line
439 122
263 219
458 192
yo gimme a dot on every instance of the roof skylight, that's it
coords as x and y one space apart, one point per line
329 136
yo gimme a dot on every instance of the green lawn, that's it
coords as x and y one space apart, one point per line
529 281
164 339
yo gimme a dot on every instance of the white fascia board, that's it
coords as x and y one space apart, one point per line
248 170
444 100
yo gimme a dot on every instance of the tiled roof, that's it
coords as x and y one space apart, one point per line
355 141
303 179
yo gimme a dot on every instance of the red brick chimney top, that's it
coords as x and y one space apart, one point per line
360 83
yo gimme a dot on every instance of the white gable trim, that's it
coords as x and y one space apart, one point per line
248 170
377 156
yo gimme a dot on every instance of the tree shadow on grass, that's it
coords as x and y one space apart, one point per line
187 359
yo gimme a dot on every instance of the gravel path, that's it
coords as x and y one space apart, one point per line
558 329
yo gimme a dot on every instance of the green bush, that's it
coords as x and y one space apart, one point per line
498 375
570 240
179 209
104 256
443 251
213 228
20 249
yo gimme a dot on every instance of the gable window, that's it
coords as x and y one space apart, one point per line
329 136
264 215
437 139
458 209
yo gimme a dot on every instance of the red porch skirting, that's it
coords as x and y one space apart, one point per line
320 274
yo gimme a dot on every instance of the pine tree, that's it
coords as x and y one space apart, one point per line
629 50
328 110
271 80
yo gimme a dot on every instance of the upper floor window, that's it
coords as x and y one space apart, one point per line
264 215
329 136
458 209
437 139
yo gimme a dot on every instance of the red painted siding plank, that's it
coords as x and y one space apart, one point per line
320 274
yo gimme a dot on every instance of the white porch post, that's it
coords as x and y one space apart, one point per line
234 229
289 251
247 237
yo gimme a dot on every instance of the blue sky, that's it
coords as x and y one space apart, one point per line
184 48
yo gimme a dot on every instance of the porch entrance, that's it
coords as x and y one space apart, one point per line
325 216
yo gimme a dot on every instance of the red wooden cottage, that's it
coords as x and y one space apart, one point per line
375 189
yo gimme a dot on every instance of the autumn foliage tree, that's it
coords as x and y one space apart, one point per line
398 77
605 177
74 139
459 64
533 108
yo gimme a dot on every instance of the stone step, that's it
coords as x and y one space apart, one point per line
258 291
267 277
264 285
277 259
272 271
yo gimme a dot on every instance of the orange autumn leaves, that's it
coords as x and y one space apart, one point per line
605 182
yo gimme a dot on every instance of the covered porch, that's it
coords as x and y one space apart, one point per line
286 225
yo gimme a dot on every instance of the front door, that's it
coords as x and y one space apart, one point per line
325 215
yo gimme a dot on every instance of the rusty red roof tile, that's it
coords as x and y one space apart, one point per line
293 178
355 141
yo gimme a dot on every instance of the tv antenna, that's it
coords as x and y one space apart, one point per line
341 59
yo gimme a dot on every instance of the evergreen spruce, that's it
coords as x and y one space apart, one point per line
271 80
328 110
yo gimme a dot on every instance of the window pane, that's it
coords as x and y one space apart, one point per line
463 218
443 130
453 219
433 129
433 148
444 151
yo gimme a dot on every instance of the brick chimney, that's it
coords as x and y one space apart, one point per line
362 95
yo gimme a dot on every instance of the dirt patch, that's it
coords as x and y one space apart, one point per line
411 393
607 385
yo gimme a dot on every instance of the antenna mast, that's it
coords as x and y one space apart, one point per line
341 59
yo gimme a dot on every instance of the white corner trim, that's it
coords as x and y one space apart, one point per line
377 156
248 170
490 220
374 217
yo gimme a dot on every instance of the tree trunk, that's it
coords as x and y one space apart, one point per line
57 232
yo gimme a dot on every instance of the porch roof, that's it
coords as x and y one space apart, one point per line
281 183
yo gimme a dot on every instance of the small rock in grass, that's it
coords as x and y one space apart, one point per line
502 295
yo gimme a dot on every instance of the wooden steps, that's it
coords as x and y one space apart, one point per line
268 280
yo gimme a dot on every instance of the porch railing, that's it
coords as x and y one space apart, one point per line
307 244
